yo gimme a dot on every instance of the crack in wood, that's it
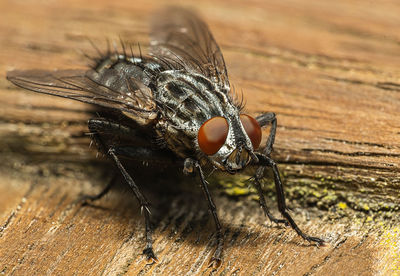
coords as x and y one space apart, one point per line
391 86
18 207
360 143
337 164
316 266
363 239
294 57
355 153
8 221
285 127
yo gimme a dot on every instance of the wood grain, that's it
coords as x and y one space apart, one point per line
329 70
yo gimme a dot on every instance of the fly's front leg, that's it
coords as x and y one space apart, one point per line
256 181
267 161
263 120
190 166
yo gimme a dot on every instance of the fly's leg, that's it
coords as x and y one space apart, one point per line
267 161
144 206
100 126
86 199
104 126
189 166
263 120
97 126
267 212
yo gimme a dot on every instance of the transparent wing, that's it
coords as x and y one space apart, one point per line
107 89
179 37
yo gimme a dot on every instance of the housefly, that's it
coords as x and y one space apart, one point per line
179 96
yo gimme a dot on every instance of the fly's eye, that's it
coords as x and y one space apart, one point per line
212 135
252 129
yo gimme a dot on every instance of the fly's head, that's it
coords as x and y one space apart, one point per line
229 141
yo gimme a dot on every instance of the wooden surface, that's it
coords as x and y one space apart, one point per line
329 69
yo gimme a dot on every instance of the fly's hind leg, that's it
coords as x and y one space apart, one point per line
86 199
144 206
99 127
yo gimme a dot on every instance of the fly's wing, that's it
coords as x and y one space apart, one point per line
106 88
181 39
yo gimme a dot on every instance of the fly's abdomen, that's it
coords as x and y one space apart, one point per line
130 80
114 69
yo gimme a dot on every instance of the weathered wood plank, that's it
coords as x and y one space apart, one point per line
328 69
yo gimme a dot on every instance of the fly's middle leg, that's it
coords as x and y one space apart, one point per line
190 166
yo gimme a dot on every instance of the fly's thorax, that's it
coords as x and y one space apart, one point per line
186 102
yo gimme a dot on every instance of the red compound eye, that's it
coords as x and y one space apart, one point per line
212 135
252 129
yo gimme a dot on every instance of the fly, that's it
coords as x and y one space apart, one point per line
179 95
